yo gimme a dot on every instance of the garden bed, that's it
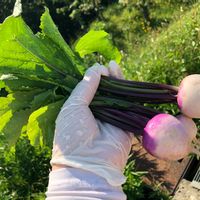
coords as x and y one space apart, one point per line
164 174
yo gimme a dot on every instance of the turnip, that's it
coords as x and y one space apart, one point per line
189 96
189 124
196 147
166 137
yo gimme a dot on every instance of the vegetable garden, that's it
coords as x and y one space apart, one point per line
39 71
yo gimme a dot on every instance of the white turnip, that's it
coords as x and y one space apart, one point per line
189 124
189 96
166 137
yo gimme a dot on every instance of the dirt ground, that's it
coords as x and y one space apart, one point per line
163 173
186 191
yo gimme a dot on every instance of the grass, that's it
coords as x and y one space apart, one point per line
136 189
166 52
171 55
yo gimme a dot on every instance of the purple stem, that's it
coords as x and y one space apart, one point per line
143 110
139 84
151 97
117 123
135 120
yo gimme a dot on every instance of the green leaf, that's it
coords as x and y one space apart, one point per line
45 98
16 109
50 30
4 105
2 84
41 124
5 118
17 101
45 49
34 57
97 41
42 49
14 58
14 112
32 68
14 124
12 84
22 99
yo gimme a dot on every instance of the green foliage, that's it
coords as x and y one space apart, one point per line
161 48
133 186
72 17
41 124
136 189
97 41
40 58
129 25
21 49
171 55
50 31
23 171
30 57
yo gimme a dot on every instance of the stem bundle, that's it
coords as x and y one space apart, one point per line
121 102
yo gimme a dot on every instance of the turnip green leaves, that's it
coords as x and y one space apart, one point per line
38 71
97 41
41 124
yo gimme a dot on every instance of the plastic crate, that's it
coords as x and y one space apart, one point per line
196 180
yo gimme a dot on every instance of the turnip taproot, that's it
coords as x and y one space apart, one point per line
166 137
189 96
189 124
196 147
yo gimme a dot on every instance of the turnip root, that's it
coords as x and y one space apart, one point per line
196 147
189 96
166 137
191 129
189 124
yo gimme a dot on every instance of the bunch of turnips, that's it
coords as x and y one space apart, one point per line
164 136
39 71
172 138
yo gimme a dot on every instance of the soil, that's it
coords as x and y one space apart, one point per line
166 174
186 191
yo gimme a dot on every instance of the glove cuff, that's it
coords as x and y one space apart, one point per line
111 174
74 184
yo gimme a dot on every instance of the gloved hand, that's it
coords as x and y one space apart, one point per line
83 142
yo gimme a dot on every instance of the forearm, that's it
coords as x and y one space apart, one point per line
77 184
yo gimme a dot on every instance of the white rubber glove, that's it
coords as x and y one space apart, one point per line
83 142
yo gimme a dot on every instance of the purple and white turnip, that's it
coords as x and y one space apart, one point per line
189 125
189 96
164 136
169 138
